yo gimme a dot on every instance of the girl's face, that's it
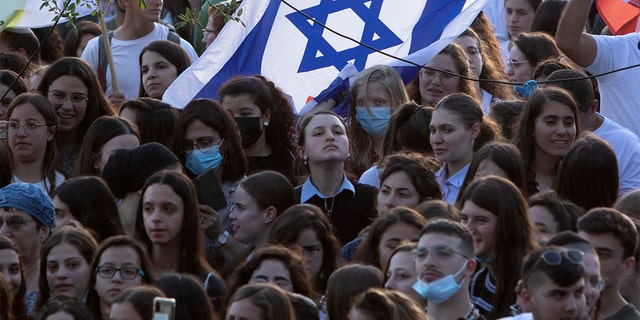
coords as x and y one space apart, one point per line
123 141
69 95
4 104
520 15
124 311
163 214
60 315
312 250
67 271
325 140
397 190
375 95
10 269
28 144
274 272
546 225
124 259
482 224
243 106
244 309
402 275
198 131
472 48
450 140
62 213
248 220
519 69
157 74
435 85
391 237
554 130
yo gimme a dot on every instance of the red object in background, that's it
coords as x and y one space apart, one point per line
620 16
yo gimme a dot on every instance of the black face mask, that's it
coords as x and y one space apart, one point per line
249 130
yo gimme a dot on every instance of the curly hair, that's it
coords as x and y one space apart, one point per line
267 97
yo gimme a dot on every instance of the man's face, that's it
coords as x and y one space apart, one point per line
592 280
443 257
610 254
25 232
549 301
150 14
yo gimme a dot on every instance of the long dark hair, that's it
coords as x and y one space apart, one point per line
173 52
287 228
99 133
81 239
96 209
191 237
98 105
18 306
93 300
513 238
234 164
44 107
266 96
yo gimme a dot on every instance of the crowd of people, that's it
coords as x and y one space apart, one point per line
452 196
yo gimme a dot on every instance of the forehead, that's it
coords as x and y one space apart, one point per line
444 116
26 111
373 89
7 212
556 108
324 121
444 62
433 239
603 241
398 179
152 56
518 4
466 41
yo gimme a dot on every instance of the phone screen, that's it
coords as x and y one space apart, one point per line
163 308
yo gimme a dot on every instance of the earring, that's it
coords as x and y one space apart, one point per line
305 161
266 123
473 141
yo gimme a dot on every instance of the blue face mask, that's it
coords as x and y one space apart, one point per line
440 290
374 121
199 161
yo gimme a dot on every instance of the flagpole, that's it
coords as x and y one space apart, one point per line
107 47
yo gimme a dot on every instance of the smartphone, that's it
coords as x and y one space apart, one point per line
164 308
209 190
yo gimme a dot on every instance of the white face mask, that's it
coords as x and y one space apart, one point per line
440 290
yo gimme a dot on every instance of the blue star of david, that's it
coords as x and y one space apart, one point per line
375 34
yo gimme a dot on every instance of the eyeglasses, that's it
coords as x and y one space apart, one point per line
204 144
205 31
439 253
430 75
59 97
14 126
14 223
513 63
553 257
127 273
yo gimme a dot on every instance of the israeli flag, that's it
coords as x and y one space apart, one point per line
295 44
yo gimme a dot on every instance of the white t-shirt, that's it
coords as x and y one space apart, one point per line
626 145
126 59
371 177
44 184
619 94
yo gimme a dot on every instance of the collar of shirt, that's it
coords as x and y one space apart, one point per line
309 190
455 180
